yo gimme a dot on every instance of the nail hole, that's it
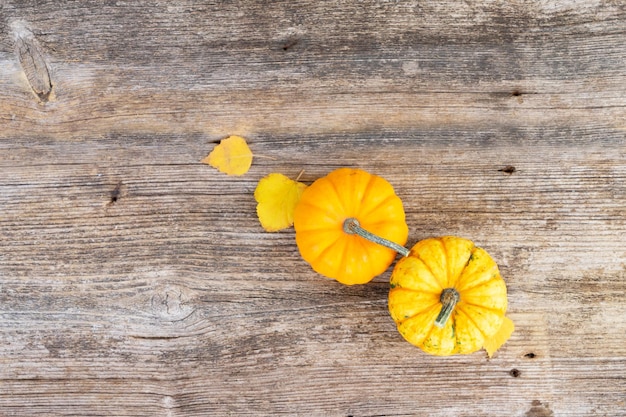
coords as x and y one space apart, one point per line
290 44
530 355
515 373
509 169
516 93
116 193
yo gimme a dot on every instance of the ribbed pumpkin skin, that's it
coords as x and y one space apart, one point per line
319 218
418 280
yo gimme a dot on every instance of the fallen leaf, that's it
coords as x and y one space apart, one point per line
501 336
232 156
277 196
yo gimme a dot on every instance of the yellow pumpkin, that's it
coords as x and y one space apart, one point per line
447 297
336 216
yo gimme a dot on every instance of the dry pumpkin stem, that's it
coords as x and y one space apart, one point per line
449 297
352 227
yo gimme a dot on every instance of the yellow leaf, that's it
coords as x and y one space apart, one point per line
277 196
501 336
232 156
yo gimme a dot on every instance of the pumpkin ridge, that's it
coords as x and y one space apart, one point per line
338 193
414 290
471 319
430 331
469 259
344 256
370 184
322 253
445 256
495 310
453 280
318 229
316 208
370 224
417 255
497 277
383 230
470 286
363 243
444 285
312 206
457 346
469 316
378 205
430 306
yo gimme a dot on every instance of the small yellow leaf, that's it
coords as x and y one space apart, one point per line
277 196
501 336
232 156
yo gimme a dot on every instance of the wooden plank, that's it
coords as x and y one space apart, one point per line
419 66
136 281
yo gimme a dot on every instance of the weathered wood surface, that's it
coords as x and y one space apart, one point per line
136 281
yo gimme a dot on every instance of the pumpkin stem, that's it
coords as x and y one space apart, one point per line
449 297
352 227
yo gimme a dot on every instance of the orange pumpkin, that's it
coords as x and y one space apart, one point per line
332 221
447 297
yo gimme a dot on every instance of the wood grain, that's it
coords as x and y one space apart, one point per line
136 281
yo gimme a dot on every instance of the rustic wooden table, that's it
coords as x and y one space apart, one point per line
136 281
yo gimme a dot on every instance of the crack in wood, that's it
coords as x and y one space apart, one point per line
30 55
